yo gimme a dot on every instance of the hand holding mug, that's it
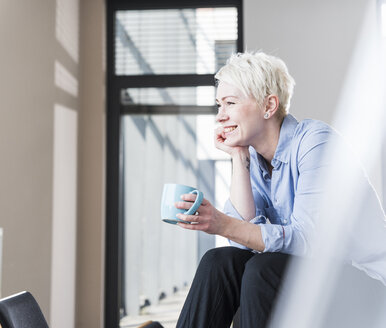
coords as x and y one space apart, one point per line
171 194
207 218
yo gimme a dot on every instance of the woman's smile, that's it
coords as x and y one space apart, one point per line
229 130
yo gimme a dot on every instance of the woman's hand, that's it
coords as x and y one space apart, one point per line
212 221
220 142
207 219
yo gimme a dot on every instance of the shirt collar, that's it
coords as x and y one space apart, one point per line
286 133
262 166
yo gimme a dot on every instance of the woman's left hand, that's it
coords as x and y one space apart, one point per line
207 218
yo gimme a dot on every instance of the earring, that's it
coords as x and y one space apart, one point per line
266 116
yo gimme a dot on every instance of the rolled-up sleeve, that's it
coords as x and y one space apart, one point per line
286 239
273 237
276 238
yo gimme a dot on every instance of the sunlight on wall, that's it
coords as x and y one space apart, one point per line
64 217
65 80
67 27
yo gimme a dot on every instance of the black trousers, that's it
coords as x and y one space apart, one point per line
228 278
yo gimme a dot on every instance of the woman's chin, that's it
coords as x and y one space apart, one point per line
229 143
232 143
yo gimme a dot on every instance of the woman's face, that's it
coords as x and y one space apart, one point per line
240 116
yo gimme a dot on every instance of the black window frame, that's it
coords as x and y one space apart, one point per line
114 111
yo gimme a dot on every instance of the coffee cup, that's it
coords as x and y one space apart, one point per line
171 194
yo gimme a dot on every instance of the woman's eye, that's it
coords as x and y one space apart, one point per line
228 103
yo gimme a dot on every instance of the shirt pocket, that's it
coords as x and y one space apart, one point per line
272 215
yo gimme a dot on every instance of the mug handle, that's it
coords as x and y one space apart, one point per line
197 202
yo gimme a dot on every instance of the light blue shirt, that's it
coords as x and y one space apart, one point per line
287 202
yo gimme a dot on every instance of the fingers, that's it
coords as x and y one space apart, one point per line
192 222
187 203
188 218
189 226
183 205
191 198
219 136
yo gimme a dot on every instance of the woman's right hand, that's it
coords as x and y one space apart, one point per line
220 142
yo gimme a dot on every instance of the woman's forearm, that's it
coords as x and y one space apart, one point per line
241 190
243 233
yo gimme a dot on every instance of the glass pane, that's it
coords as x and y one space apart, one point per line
159 259
174 41
191 96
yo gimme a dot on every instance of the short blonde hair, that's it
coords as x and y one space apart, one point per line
259 75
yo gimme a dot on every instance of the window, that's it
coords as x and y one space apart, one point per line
161 61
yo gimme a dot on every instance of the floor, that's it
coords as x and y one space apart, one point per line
166 312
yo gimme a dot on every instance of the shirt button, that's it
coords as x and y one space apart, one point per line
285 221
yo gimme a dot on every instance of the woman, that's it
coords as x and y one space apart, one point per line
274 197
274 159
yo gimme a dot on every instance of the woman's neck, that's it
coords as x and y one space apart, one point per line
266 145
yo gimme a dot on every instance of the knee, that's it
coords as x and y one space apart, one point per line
263 267
254 270
218 257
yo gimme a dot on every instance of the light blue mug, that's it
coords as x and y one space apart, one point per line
171 194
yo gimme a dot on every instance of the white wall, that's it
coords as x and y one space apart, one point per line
314 38
317 40
27 97
52 156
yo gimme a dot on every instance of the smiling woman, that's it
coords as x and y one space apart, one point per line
275 197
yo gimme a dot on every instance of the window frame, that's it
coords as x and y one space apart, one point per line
114 111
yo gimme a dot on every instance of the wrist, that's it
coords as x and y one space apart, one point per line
241 157
241 161
224 226
240 153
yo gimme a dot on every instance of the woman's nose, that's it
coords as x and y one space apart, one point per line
221 115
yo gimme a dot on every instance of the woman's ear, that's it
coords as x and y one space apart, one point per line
272 105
